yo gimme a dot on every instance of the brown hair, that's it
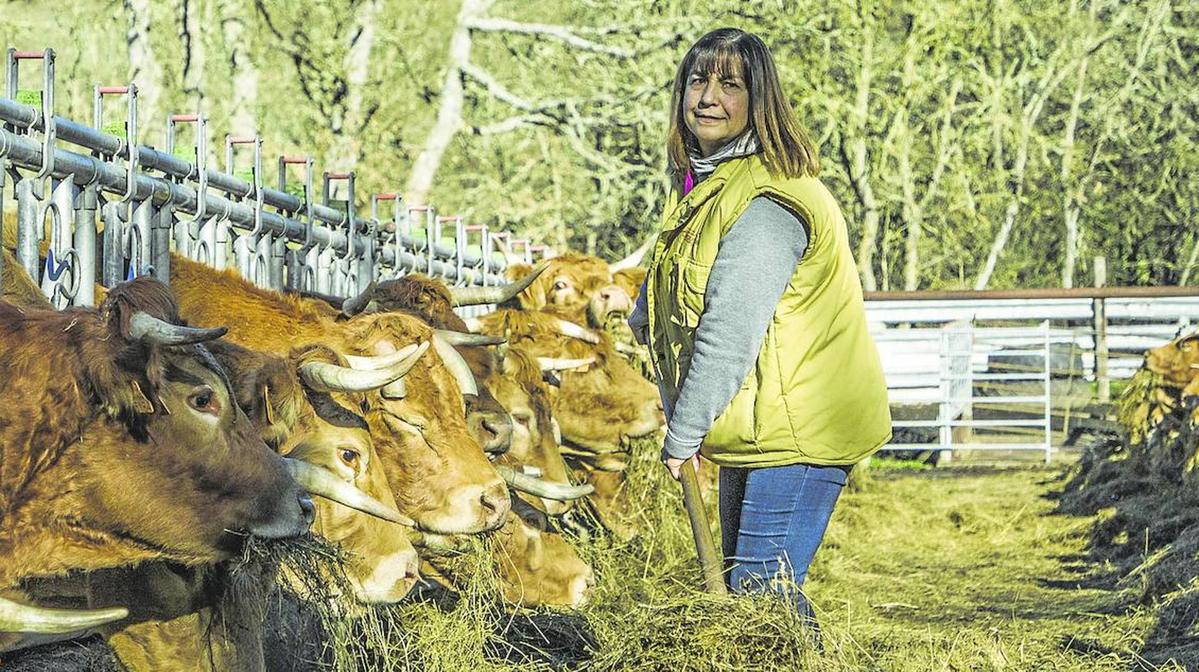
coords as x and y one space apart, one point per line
785 146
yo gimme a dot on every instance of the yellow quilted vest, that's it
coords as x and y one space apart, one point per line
816 394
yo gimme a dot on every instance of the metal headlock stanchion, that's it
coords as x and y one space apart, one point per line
138 191
301 269
391 231
344 275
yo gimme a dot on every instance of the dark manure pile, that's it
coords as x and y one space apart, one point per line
1143 484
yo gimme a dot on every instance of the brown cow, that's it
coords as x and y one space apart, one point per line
319 427
577 287
599 408
433 302
121 442
1177 361
17 287
436 469
519 386
536 567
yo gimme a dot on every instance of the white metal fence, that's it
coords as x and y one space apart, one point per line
997 373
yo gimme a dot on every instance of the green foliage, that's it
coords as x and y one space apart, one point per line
966 116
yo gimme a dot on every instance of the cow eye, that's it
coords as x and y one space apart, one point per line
523 418
350 457
204 400
561 284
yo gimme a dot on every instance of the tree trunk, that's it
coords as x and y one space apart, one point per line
859 167
144 69
346 149
243 72
191 38
449 113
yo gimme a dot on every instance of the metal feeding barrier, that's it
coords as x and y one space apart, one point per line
1015 369
113 209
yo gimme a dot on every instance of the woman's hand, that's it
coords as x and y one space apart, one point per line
673 464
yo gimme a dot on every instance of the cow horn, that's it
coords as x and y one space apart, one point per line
143 326
356 304
408 354
561 492
473 324
568 328
473 296
625 348
458 338
561 364
325 377
634 258
17 617
324 483
456 365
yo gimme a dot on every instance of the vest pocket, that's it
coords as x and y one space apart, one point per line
734 430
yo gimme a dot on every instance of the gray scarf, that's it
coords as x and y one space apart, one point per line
743 145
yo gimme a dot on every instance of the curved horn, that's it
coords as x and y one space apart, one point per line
457 338
625 348
356 304
17 617
634 258
473 296
562 492
456 365
324 483
407 355
568 328
325 377
560 364
143 326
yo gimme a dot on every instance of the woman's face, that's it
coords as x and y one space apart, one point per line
715 108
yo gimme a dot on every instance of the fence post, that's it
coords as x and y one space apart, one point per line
1048 393
1099 311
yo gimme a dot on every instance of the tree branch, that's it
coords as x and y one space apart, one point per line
560 33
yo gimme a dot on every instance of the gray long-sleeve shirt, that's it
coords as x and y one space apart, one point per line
755 261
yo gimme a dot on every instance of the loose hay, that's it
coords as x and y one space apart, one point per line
1141 482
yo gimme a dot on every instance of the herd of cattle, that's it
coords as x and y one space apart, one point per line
142 441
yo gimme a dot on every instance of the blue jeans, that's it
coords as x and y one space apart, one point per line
772 521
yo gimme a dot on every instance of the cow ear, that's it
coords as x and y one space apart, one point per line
533 296
141 403
535 554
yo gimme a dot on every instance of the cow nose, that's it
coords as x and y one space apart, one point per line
307 509
495 500
500 429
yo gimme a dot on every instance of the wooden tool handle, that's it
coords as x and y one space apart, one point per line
709 560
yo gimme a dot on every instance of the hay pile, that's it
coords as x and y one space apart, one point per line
646 613
1144 487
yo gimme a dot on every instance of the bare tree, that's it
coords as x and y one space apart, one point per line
144 68
191 38
243 72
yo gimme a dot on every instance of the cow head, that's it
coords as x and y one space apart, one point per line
537 567
433 302
436 468
123 427
577 287
1177 361
597 406
519 386
303 418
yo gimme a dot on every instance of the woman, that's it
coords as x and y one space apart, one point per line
753 312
